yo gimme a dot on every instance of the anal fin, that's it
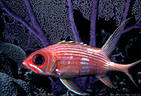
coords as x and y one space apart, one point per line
72 87
106 81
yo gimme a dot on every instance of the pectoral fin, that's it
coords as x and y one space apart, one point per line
106 81
72 87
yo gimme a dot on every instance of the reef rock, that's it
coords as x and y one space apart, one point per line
12 87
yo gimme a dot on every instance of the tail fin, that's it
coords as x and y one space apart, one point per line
125 69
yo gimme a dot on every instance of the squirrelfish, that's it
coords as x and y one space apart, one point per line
68 59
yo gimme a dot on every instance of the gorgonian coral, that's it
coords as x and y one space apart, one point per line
48 21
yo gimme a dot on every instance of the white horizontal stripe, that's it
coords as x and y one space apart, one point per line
85 67
94 57
36 68
84 52
85 59
79 49
85 71
68 71
83 56
84 63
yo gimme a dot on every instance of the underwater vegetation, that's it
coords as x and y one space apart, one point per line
28 25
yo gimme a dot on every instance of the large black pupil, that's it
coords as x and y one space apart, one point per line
38 59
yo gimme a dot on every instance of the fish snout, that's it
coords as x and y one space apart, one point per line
25 63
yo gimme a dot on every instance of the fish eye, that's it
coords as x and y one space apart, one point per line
38 59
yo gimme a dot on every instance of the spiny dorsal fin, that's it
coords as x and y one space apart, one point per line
71 42
77 43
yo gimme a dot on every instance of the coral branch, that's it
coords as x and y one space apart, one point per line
126 10
35 22
32 16
10 12
131 28
73 26
36 32
93 24
127 5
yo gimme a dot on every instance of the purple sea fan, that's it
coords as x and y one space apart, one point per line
106 9
136 11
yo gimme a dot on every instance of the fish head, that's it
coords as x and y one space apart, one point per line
38 61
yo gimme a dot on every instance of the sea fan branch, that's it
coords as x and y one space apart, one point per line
73 26
93 24
31 28
131 28
32 16
126 10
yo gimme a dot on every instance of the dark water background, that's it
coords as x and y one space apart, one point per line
18 40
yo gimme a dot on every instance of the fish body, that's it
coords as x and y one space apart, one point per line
77 59
68 59
73 59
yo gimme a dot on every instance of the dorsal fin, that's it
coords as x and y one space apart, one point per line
77 43
110 44
71 42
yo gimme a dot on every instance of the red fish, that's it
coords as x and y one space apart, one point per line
70 59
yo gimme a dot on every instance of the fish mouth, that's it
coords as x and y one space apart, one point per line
25 63
32 67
